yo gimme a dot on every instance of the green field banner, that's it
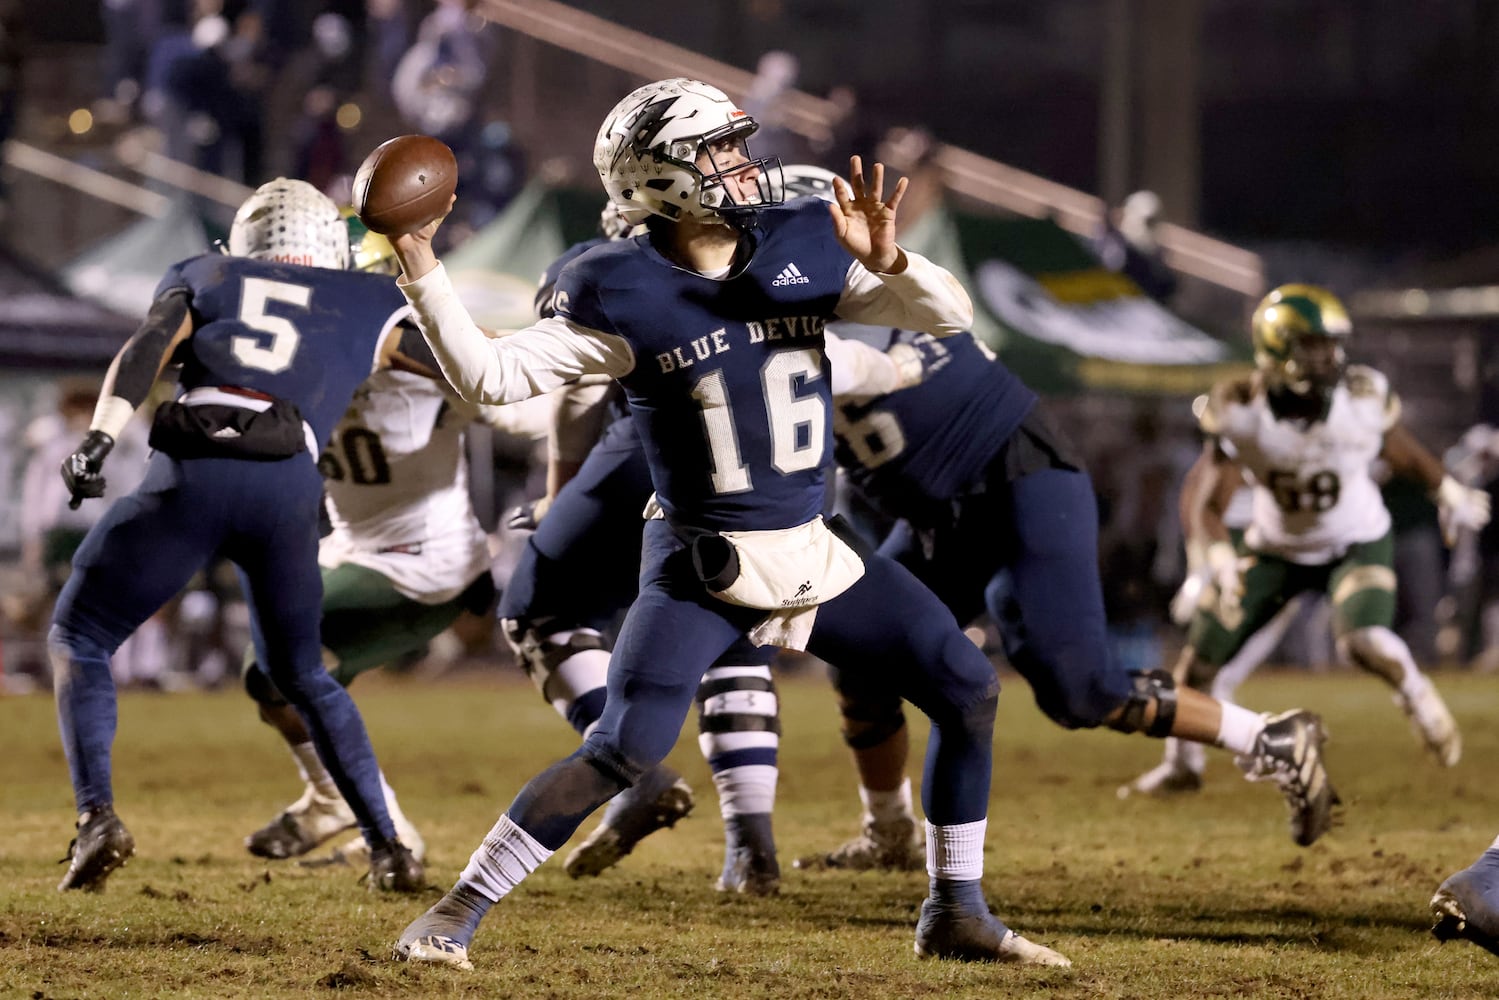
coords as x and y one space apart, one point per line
1060 319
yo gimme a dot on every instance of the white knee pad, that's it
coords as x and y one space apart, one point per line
564 665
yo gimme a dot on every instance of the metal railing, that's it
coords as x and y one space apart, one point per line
980 178
106 187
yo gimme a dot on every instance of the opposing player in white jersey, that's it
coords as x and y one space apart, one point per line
405 558
1182 762
1305 428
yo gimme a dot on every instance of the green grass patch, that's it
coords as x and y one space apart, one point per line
1200 897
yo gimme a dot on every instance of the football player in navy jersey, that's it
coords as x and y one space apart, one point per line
273 339
580 571
995 511
576 575
712 322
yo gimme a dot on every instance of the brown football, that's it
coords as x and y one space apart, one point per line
405 183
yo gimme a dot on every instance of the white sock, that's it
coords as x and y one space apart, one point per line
1239 729
956 852
313 771
746 790
883 807
1495 845
507 855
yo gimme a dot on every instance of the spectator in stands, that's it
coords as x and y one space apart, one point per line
775 74
1128 244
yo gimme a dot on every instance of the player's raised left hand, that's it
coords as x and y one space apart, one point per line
864 221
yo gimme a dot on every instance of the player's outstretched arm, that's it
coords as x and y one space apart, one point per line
482 369
128 382
1460 508
1207 491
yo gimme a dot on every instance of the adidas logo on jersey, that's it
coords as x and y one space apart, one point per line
790 275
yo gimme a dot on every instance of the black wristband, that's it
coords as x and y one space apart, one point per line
96 445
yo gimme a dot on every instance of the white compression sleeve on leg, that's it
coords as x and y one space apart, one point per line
956 852
507 855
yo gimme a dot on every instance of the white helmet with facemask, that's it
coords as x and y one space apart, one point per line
648 151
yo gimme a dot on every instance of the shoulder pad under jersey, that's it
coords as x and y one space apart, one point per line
1223 395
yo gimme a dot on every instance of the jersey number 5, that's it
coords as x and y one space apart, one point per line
272 352
790 414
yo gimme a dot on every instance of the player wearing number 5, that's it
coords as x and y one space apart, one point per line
713 324
273 340
1306 428
405 559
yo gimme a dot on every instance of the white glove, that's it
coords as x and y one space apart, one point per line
1223 570
1189 596
1460 508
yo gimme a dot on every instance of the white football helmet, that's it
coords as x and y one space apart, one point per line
292 222
802 180
647 151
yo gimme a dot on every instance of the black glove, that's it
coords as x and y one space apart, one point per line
82 469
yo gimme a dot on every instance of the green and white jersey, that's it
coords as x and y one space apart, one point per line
396 478
1313 492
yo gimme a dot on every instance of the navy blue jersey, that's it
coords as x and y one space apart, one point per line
307 335
546 290
931 441
731 387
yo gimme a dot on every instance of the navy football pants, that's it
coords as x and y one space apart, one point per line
1028 549
263 517
889 623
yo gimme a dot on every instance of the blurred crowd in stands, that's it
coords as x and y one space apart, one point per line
254 89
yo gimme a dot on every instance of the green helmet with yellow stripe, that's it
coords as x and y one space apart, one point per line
368 250
1299 333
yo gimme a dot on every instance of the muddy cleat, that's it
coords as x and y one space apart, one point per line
303 825
1288 752
102 845
1433 723
749 865
441 936
394 868
655 802
891 845
976 937
356 852
1163 781
1467 904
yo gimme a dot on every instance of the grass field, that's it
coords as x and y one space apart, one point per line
1205 897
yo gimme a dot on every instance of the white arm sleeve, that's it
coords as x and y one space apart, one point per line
924 297
861 370
537 359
